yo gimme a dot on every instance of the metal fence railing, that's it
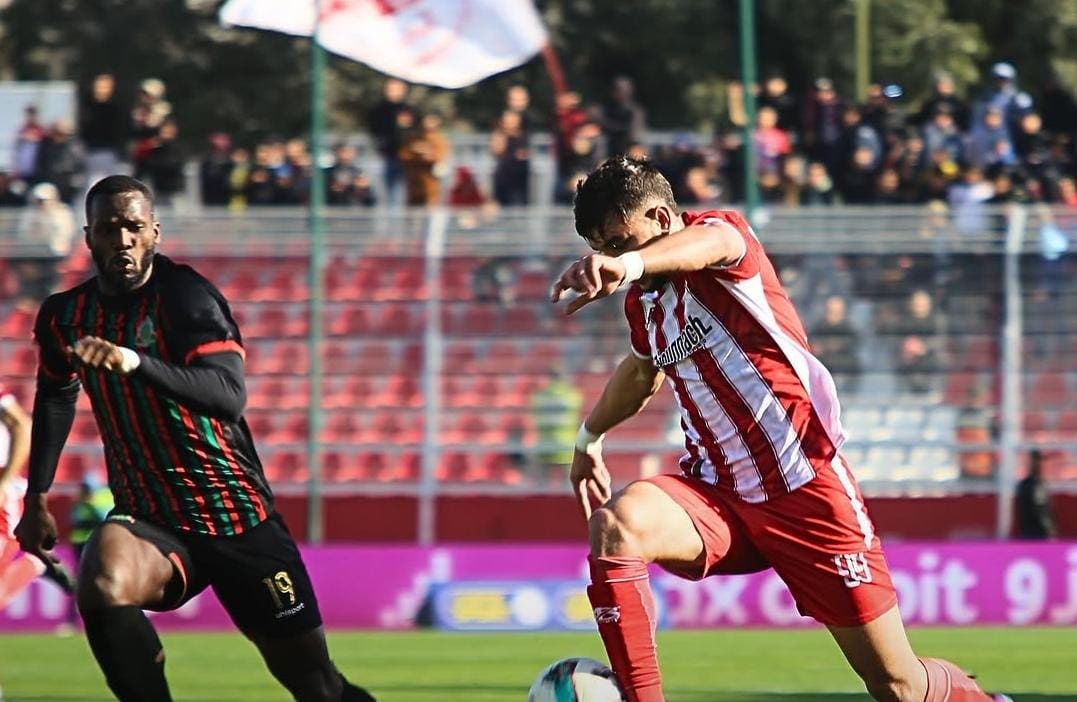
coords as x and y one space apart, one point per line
444 369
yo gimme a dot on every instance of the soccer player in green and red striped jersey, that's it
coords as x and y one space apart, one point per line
155 347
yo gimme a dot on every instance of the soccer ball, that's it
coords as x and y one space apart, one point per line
576 680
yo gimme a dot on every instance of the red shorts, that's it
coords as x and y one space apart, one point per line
818 538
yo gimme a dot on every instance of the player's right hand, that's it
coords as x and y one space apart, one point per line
593 277
36 531
590 481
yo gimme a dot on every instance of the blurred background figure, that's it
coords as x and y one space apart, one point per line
836 343
87 513
147 117
28 140
623 119
61 161
345 182
215 171
389 122
509 145
162 164
102 128
46 232
1035 519
556 407
423 156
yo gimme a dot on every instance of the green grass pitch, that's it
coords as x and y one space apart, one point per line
1036 665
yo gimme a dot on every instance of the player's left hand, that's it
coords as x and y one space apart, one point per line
95 352
594 277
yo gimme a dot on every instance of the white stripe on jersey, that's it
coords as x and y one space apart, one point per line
811 372
858 507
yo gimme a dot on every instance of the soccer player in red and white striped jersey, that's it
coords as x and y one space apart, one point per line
763 482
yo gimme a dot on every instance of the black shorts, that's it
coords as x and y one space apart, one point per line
258 575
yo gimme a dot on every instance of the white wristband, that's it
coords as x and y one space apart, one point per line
587 441
633 262
130 360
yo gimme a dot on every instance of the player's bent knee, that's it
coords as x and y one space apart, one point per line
620 527
106 589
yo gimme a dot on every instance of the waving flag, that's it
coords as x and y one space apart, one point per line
449 43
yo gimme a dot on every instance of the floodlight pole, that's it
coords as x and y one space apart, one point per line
748 78
316 218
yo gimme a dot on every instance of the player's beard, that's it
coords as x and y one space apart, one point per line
122 281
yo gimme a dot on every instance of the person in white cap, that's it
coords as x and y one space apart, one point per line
44 238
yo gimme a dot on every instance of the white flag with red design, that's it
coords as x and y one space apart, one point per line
449 43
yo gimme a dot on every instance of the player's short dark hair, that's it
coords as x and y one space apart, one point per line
115 185
618 187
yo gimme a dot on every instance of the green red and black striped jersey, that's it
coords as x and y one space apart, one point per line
168 462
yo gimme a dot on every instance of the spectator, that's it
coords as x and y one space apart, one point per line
944 98
215 171
162 165
569 118
837 343
819 190
942 133
967 201
28 140
580 159
823 125
465 190
509 147
858 185
857 134
238 177
423 155
772 143
1032 147
389 122
260 188
149 113
87 513
294 174
776 96
11 192
794 180
888 188
61 161
556 410
622 117
101 127
45 235
346 184
1035 519
518 100
917 332
1003 96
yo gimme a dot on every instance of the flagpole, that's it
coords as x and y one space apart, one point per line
316 219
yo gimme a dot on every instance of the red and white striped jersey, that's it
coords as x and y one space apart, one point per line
759 411
11 496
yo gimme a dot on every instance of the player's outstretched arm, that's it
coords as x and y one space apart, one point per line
53 415
212 382
627 392
694 248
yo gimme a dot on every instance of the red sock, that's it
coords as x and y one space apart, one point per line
620 593
948 683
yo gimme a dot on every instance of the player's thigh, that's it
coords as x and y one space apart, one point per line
128 562
261 580
821 542
685 526
644 520
879 651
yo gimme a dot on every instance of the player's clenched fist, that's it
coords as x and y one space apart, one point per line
593 277
97 353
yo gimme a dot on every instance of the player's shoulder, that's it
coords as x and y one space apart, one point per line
64 299
183 284
714 217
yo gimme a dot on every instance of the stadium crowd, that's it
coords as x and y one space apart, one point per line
819 148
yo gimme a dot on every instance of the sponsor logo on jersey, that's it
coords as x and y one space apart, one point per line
688 342
853 569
